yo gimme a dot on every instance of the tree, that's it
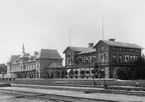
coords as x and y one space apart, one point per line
82 72
62 74
66 73
139 68
124 73
87 72
71 73
76 73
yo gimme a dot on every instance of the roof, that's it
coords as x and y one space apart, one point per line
13 58
120 44
81 50
24 55
88 50
77 49
54 65
49 53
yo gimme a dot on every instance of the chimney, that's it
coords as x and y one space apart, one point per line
112 39
91 44
35 53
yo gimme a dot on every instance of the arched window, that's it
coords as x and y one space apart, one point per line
114 60
102 48
126 58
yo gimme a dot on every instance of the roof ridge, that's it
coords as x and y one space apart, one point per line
122 44
77 46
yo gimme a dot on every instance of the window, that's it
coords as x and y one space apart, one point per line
69 54
120 58
136 58
69 61
113 48
102 48
86 60
34 66
37 65
90 59
132 58
93 59
102 58
126 58
114 60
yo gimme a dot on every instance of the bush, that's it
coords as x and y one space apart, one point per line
76 72
140 69
82 72
124 73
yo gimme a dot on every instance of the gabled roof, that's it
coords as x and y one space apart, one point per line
120 44
14 58
54 65
76 49
49 53
81 50
87 50
24 55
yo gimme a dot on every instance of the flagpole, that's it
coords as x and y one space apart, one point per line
70 36
102 29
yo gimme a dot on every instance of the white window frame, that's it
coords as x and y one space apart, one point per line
126 56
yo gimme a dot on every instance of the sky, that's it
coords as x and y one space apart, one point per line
49 24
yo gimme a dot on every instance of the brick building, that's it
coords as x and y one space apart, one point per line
80 59
112 55
45 63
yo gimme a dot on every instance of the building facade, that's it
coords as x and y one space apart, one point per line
112 55
43 64
80 60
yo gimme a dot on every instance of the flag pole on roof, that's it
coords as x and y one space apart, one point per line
70 36
102 30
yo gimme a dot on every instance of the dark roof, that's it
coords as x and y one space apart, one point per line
49 53
121 44
88 50
76 49
54 65
81 50
24 55
14 58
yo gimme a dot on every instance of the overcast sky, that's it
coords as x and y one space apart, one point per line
46 24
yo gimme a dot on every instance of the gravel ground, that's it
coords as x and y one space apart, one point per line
18 98
14 96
